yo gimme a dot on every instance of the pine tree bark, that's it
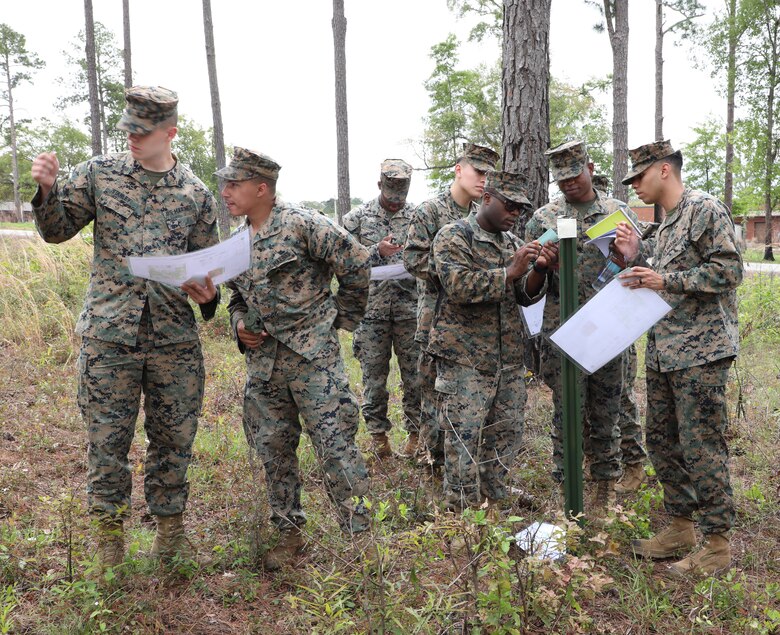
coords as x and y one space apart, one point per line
94 99
339 24
731 82
223 218
126 52
659 85
14 150
526 104
771 149
616 14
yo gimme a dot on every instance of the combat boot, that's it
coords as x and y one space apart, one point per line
493 511
412 442
633 476
380 445
714 557
605 498
110 544
170 540
290 544
679 535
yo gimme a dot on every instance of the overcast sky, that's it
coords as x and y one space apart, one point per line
275 69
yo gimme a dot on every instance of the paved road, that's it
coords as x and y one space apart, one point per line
18 233
762 267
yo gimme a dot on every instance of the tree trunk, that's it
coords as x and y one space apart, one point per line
728 186
771 153
94 106
126 53
616 13
659 85
216 112
102 106
14 152
339 24
525 83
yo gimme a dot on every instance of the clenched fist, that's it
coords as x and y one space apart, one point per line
44 171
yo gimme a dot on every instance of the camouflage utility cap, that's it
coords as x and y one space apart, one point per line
482 158
644 156
147 107
601 182
248 164
394 180
509 185
567 160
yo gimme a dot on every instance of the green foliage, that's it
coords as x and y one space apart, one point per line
16 62
759 310
705 158
193 147
489 12
7 605
465 107
575 114
111 91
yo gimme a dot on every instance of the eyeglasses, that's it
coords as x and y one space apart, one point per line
509 205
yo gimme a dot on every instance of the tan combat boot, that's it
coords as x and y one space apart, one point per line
679 535
290 543
380 445
714 557
605 498
493 511
110 544
412 442
633 476
170 539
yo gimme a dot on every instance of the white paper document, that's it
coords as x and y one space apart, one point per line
608 324
602 242
542 541
222 262
390 272
533 316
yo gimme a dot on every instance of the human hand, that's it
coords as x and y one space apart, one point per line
626 241
387 247
200 293
522 258
549 256
45 168
248 338
642 277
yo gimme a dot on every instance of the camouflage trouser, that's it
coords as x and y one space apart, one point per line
686 422
318 391
630 426
373 344
431 436
601 400
481 415
111 379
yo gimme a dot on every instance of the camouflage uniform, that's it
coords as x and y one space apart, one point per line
601 391
689 352
138 335
476 339
297 370
428 219
390 320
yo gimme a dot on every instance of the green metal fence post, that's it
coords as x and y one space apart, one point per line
572 407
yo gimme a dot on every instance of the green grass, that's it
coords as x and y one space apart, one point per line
420 585
27 225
